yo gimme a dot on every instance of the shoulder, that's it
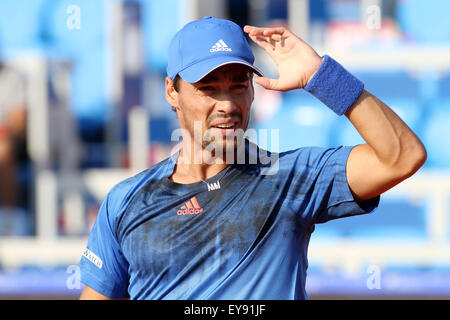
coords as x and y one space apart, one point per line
121 194
312 155
306 154
309 158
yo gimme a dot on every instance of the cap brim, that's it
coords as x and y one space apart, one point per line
199 70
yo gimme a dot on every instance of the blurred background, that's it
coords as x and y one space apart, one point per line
82 107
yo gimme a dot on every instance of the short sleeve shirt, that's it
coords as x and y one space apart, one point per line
243 236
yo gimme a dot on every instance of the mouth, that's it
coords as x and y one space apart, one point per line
225 127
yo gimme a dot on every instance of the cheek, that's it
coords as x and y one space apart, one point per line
248 97
245 103
193 110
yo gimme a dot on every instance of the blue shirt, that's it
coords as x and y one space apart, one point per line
246 238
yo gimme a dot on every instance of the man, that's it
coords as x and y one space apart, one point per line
193 228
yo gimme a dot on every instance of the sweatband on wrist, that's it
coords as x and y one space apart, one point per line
337 88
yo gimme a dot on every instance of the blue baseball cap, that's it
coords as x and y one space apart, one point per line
204 45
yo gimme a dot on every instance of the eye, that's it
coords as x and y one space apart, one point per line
206 88
239 87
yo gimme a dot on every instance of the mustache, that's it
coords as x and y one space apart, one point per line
233 115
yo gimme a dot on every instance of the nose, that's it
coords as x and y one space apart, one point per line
225 103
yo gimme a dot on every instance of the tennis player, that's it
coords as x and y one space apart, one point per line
200 229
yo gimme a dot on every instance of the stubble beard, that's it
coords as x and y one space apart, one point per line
222 149
215 147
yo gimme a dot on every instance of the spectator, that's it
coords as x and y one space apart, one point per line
12 143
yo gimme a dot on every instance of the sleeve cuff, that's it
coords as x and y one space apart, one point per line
102 288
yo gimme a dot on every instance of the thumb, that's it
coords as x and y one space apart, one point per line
267 83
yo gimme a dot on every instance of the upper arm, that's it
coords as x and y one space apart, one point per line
321 181
392 152
368 177
103 265
90 294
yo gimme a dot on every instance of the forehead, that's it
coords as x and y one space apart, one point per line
235 71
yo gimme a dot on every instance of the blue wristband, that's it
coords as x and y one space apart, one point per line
337 88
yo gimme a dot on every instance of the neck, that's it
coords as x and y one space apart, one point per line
190 170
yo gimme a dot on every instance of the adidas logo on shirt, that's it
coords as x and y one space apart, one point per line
220 46
191 207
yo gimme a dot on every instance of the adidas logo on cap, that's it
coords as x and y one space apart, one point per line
220 46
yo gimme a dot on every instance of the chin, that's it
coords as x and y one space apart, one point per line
224 149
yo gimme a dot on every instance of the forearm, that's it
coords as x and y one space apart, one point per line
392 153
392 141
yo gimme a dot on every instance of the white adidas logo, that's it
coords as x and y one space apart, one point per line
220 46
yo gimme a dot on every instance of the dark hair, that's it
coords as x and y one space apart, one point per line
176 86
176 82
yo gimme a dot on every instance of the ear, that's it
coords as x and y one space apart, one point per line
171 93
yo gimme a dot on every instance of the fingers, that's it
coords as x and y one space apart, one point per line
264 32
263 43
267 83
269 44
267 38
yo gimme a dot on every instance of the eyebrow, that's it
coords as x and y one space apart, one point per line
241 77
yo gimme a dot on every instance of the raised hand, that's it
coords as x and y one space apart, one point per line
296 61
